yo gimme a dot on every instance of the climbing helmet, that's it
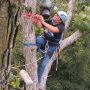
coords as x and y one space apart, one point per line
62 15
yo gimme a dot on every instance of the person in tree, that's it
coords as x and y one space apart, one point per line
53 29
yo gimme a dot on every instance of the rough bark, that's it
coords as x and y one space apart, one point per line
30 51
12 27
2 38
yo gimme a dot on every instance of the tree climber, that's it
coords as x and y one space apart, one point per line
53 29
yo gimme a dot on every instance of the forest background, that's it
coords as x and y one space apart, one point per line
73 71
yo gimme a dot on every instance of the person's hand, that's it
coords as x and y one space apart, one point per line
38 18
41 19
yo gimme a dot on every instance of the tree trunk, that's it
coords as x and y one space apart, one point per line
30 51
10 36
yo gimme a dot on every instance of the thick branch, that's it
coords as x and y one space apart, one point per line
65 43
71 39
71 7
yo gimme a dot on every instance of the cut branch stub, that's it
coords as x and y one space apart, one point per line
27 79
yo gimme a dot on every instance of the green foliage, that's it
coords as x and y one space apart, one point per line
74 67
17 60
14 81
54 85
81 19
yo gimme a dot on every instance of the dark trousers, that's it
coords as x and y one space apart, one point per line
41 42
